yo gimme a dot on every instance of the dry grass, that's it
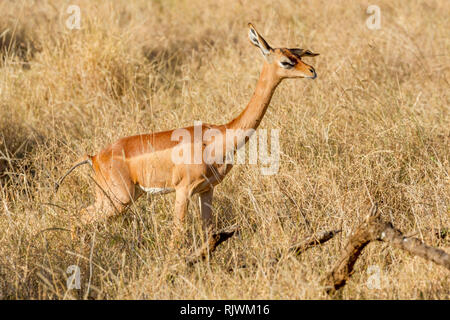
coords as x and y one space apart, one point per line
373 126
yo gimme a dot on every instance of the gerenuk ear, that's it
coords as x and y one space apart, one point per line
258 40
303 52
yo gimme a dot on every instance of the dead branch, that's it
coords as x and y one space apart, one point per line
214 240
298 248
312 241
374 228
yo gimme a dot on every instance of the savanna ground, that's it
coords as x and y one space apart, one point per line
374 126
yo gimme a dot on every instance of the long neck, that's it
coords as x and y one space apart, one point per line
251 116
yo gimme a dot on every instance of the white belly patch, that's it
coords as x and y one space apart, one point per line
157 190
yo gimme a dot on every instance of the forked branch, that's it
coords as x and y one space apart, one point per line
374 228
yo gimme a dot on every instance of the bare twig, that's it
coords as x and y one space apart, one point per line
214 240
374 228
314 240
299 248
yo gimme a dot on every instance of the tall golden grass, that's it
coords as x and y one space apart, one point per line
374 126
